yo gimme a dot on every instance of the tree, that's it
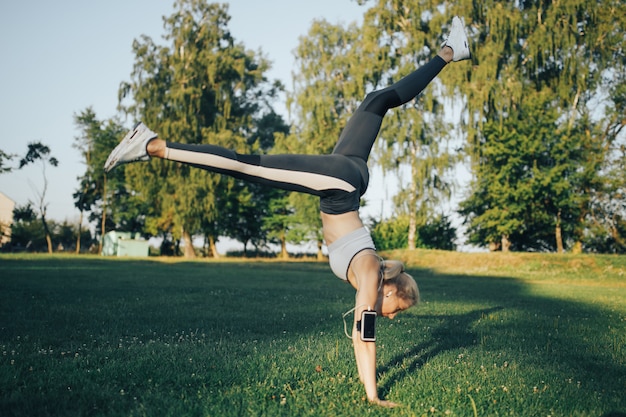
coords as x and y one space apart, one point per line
272 204
4 159
202 88
244 214
327 88
27 232
534 55
399 36
103 196
436 233
278 222
40 152
527 173
65 234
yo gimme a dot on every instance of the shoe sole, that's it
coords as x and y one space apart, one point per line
108 167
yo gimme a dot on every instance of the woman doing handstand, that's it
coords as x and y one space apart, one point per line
339 179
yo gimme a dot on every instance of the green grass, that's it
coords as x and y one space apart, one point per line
514 335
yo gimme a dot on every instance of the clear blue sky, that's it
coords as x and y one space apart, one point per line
60 57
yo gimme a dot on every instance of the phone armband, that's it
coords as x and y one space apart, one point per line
367 326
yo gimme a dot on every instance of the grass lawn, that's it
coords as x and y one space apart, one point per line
496 335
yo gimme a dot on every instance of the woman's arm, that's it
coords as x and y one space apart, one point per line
366 279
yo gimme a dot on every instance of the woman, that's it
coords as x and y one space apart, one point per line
339 179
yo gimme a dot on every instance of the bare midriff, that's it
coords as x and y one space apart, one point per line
338 225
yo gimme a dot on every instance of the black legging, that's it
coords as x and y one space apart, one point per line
339 179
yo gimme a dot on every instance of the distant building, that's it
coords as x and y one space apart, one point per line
6 218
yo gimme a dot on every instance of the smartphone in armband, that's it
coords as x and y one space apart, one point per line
368 326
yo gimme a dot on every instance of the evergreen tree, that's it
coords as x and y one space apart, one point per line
525 182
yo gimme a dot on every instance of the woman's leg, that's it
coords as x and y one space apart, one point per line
338 180
358 137
362 129
312 174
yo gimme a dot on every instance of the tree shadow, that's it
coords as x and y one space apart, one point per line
554 335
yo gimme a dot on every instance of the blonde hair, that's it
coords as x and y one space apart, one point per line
406 287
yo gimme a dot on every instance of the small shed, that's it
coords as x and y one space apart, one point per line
123 244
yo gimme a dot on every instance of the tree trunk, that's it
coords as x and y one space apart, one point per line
320 254
412 237
104 214
213 247
412 229
558 234
49 242
284 254
189 252
283 247
47 233
506 243
559 239
80 232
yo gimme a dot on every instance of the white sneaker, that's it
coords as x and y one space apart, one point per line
457 40
132 148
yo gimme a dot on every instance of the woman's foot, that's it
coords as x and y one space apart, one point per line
132 148
457 42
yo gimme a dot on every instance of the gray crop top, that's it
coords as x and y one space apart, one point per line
342 251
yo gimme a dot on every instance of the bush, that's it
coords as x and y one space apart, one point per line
437 233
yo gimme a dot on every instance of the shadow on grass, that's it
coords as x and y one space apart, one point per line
573 342
452 334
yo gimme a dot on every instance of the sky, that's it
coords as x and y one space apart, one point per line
59 58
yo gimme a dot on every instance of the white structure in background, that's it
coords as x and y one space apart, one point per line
123 244
6 218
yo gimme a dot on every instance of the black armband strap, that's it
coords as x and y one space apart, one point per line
367 326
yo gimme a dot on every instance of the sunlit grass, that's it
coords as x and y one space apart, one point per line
519 334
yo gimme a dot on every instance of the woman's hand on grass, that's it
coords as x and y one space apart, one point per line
384 403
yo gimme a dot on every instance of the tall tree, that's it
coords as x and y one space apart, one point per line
402 35
202 88
96 189
38 152
527 181
528 51
327 89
